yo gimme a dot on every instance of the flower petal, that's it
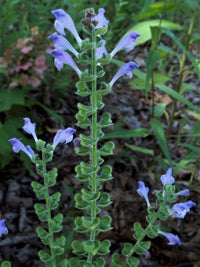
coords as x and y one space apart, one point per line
63 136
126 69
143 192
29 128
173 239
100 19
179 210
3 228
62 57
17 146
64 20
127 43
184 193
61 43
167 178
101 50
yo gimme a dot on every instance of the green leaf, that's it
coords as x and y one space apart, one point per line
140 132
178 96
39 190
127 248
82 89
43 235
62 263
104 200
144 29
106 173
5 264
160 135
107 149
105 224
77 247
89 196
54 200
11 97
191 147
132 261
105 121
51 176
80 203
41 212
140 149
178 42
104 248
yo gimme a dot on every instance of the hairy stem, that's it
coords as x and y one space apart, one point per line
51 239
94 136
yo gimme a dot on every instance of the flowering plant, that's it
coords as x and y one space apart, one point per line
89 250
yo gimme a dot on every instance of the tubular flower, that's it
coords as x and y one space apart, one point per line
173 239
179 210
29 128
184 193
17 146
167 178
3 228
63 136
143 192
61 43
100 18
126 69
127 43
101 50
64 20
62 57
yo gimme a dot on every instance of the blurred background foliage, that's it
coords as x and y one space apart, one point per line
169 35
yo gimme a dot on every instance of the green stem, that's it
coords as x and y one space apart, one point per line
94 136
132 251
51 239
182 64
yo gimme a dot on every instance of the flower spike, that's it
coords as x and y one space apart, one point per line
64 20
63 136
127 43
62 57
3 228
179 210
143 192
29 128
126 69
17 146
100 19
61 43
173 239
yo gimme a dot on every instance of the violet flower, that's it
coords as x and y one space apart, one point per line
29 128
101 50
143 192
179 210
61 43
184 193
64 20
173 239
127 43
126 69
100 18
167 178
3 228
62 57
63 136
17 146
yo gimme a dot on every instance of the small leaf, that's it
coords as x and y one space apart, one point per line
107 149
127 248
104 248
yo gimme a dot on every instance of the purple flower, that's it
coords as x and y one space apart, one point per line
3 229
29 128
17 146
63 136
61 43
127 43
62 57
167 178
173 239
100 18
126 69
184 193
64 20
143 192
179 210
101 50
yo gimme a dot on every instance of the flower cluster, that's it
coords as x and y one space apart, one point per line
61 44
62 136
178 210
